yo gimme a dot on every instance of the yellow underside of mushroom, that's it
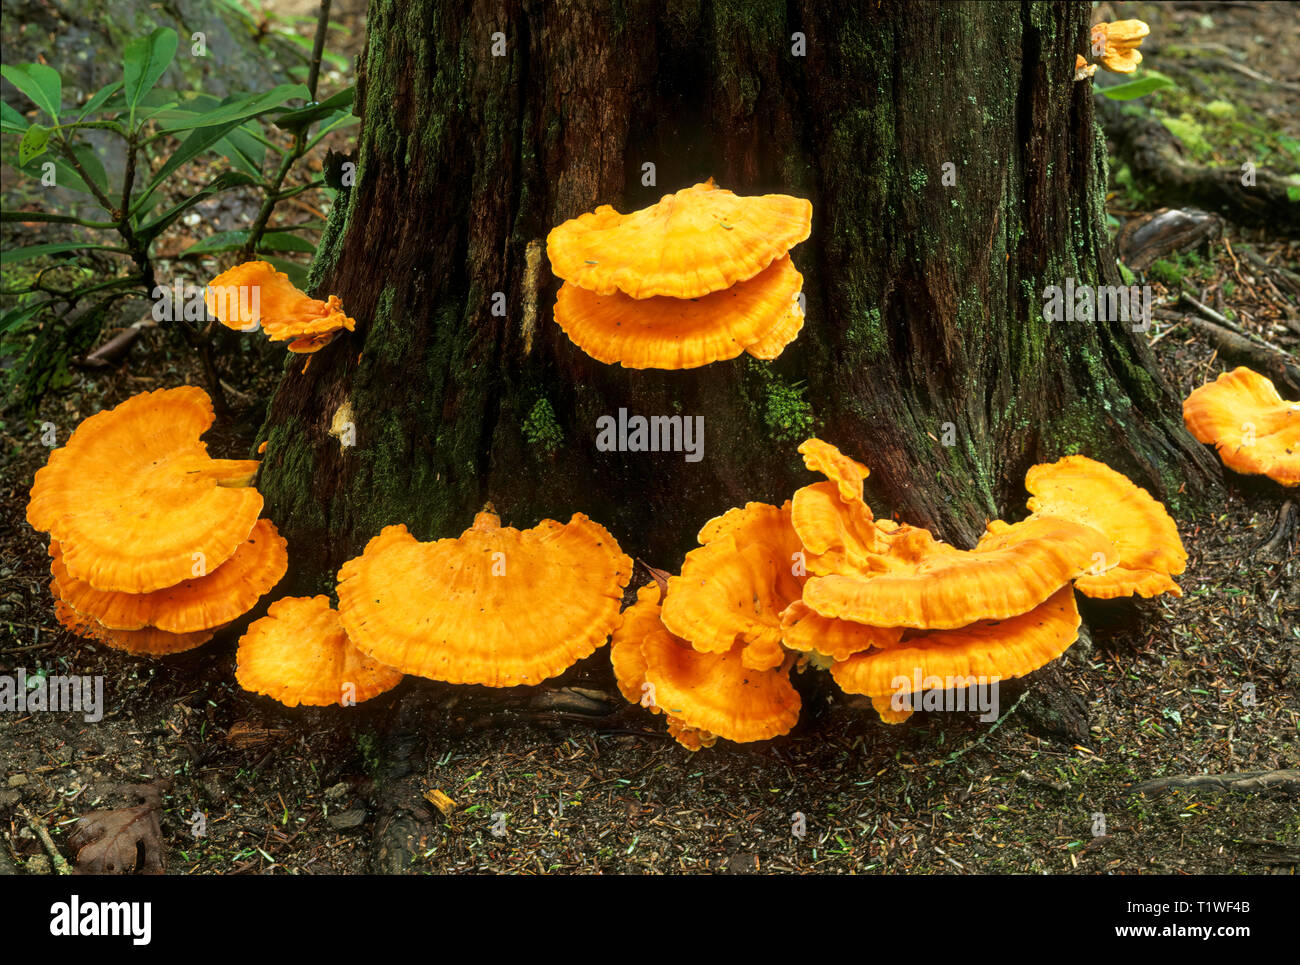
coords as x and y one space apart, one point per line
299 653
807 631
145 642
700 240
761 316
225 594
1002 649
134 500
496 606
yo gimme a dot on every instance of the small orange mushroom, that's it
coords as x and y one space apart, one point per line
1119 42
254 293
847 474
299 653
134 500
700 240
1255 430
496 606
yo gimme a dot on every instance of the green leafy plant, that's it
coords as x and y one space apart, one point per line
55 149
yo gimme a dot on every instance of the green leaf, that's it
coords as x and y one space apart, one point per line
144 61
33 143
16 316
11 122
234 240
222 182
66 176
100 96
14 255
292 120
198 141
237 108
1137 88
1292 193
340 121
245 151
40 83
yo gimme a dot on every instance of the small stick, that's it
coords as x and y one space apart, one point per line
61 865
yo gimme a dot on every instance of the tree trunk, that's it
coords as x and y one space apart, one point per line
924 299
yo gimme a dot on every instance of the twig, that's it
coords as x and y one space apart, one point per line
61 865
1247 781
1281 532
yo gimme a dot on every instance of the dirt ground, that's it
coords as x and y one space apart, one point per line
540 782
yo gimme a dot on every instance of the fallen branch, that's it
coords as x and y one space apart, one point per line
1243 350
1246 781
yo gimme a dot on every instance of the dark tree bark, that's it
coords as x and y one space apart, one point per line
924 300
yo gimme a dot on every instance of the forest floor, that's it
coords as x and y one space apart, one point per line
1205 684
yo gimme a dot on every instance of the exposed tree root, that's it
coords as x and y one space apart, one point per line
1247 781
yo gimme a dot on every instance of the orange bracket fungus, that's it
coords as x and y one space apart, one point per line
134 500
146 641
254 294
701 276
984 650
299 653
1090 493
704 695
495 606
1116 44
223 595
1255 430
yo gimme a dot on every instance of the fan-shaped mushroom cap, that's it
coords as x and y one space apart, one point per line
700 240
202 603
716 692
837 535
283 311
930 585
806 630
846 473
495 606
1256 431
134 500
1122 39
1002 649
639 620
299 653
733 588
1088 492
761 315
145 642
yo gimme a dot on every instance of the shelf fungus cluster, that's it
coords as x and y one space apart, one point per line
154 544
495 606
701 276
254 295
1255 430
888 609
